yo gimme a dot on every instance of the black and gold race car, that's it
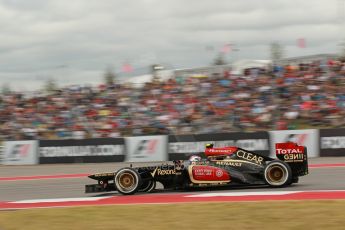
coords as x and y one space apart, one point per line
224 166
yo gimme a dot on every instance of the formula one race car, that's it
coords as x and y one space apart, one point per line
222 167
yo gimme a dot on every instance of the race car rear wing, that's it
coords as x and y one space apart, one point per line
294 155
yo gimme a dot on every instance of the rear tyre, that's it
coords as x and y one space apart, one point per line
148 186
127 181
295 180
278 174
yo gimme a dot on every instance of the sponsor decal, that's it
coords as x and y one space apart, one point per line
288 151
71 151
207 174
219 151
104 174
229 163
192 147
219 173
178 164
249 157
294 157
200 185
163 172
333 142
203 172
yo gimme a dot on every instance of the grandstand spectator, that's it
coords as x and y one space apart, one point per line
296 96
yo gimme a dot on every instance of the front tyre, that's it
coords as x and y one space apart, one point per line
127 181
278 174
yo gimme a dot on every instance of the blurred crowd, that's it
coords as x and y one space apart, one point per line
285 97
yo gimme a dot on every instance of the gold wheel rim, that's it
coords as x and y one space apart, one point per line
276 174
126 181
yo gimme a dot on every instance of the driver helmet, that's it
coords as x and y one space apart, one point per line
209 145
194 158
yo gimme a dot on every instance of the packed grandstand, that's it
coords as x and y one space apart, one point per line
289 97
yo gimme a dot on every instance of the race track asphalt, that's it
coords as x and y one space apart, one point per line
324 178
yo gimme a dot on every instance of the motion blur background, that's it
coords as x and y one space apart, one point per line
123 81
77 69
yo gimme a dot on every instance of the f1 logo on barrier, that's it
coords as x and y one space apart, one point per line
145 146
303 137
19 151
300 139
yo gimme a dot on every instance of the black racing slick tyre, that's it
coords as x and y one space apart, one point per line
148 186
127 181
277 174
295 180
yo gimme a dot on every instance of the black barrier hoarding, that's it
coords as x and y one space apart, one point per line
182 146
332 142
81 151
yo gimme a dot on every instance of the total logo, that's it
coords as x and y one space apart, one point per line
287 151
219 173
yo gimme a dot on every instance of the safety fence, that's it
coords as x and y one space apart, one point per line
326 142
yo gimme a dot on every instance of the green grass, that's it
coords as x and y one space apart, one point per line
275 215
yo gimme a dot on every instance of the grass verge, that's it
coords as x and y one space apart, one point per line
245 215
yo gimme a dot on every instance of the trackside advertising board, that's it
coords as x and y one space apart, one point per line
82 151
20 153
182 146
305 137
332 142
146 148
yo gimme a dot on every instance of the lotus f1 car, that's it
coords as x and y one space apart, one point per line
224 166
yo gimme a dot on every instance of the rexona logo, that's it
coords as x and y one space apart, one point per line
145 147
19 151
163 172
